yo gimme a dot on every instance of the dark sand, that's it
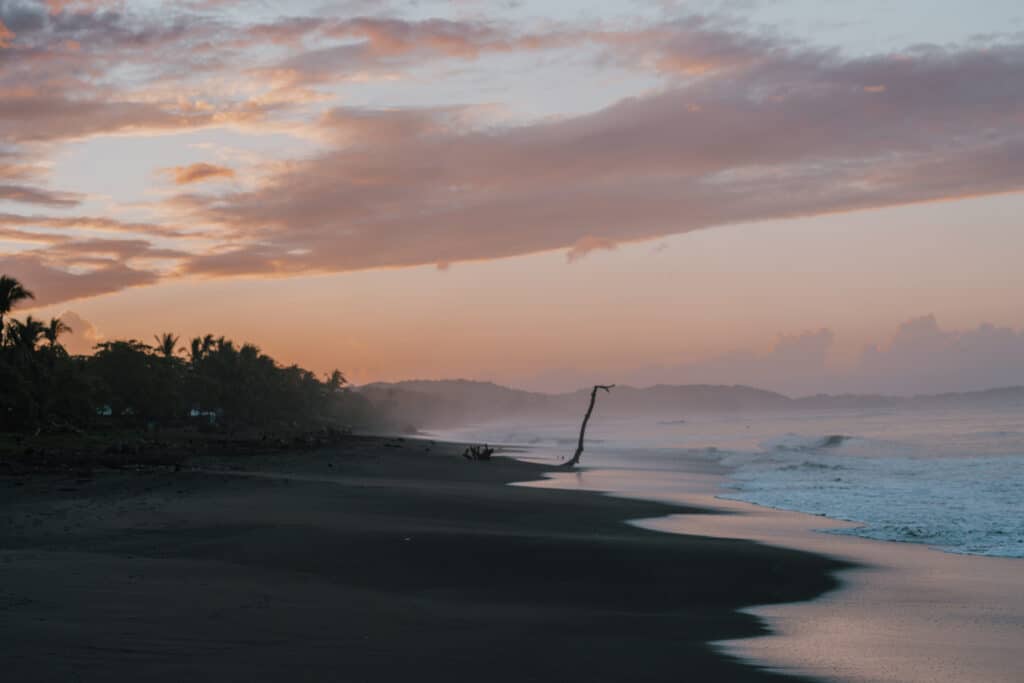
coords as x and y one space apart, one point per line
368 563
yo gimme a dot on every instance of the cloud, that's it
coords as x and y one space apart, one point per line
796 364
923 358
585 245
691 46
66 76
14 166
35 116
83 337
743 126
919 358
58 6
196 173
67 224
792 134
53 285
6 35
30 195
371 44
465 39
101 251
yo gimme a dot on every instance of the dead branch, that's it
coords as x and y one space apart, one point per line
478 452
586 419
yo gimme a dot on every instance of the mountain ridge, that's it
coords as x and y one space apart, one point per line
450 403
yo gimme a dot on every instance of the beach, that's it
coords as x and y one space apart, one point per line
370 560
905 612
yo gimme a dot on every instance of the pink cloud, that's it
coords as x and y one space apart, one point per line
785 136
746 127
69 224
31 195
53 285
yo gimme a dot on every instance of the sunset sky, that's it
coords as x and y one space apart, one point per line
796 194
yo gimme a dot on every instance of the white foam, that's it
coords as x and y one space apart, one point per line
966 505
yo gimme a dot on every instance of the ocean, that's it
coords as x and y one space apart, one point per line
952 479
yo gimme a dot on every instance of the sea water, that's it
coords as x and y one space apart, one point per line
951 479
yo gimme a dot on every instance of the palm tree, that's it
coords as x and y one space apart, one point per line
26 335
56 328
195 350
336 380
11 292
166 344
207 344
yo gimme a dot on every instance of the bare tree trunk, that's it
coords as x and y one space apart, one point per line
586 419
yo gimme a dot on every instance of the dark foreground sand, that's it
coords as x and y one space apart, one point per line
368 562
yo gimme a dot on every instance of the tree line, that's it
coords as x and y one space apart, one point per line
210 380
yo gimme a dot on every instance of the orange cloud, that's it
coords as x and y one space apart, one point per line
201 172
6 35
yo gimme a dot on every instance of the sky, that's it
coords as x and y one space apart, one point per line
801 195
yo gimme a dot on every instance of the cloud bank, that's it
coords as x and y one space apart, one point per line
920 358
787 135
743 125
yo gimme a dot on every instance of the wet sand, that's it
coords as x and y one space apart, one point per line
905 613
370 561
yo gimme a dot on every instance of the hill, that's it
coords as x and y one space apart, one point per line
452 403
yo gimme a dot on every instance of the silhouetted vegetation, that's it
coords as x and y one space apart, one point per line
213 383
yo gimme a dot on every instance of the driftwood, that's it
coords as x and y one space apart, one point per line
478 452
586 419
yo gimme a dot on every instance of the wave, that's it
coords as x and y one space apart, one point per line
802 444
966 505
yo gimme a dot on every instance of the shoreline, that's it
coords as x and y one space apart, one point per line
371 562
903 612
